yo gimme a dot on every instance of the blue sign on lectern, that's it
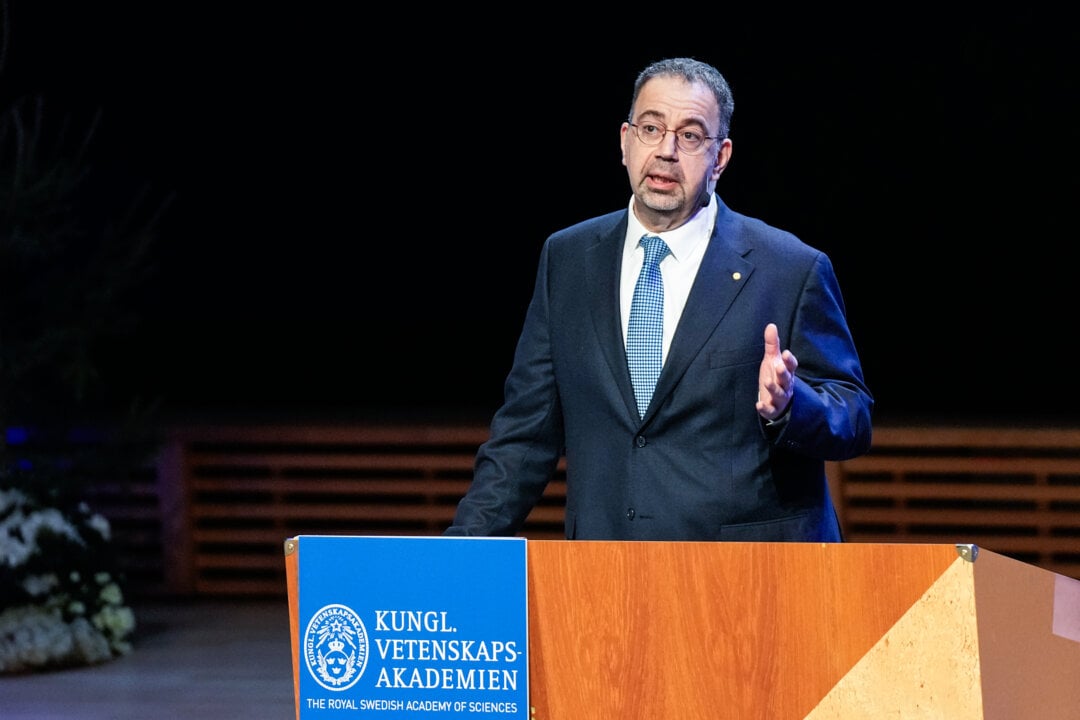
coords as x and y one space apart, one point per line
412 627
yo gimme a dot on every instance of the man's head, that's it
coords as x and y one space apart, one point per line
675 142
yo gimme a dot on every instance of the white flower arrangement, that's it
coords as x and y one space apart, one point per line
59 604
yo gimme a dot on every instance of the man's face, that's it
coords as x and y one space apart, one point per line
669 183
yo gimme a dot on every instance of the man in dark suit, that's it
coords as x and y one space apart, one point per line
760 381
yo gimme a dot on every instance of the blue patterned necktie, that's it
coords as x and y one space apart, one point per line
645 335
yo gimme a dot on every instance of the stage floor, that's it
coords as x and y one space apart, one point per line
199 659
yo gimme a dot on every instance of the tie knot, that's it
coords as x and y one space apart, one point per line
655 249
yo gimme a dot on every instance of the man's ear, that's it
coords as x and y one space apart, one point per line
723 157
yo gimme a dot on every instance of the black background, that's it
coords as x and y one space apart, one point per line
360 199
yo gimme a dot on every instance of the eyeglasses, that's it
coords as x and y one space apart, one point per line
688 140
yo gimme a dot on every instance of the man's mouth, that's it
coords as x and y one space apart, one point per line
660 182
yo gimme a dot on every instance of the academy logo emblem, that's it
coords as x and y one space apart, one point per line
336 647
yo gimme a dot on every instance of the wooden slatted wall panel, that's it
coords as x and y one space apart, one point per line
245 490
1013 491
229 496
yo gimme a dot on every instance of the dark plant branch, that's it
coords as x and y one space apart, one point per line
74 252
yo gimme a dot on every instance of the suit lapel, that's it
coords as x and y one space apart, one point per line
603 266
722 275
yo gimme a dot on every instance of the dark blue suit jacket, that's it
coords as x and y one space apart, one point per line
701 464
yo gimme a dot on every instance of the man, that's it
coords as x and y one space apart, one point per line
760 381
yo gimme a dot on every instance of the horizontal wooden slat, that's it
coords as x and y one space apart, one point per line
202 462
962 516
237 586
908 491
893 464
994 542
245 562
316 485
321 510
298 489
337 433
249 536
923 437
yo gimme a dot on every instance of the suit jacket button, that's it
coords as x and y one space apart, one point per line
630 514
640 441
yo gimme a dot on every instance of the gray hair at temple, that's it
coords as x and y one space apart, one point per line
692 71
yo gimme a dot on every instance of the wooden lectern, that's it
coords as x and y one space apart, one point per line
682 631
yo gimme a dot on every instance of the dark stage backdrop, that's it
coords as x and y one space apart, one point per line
360 202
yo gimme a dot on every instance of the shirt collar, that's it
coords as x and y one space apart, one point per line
681 240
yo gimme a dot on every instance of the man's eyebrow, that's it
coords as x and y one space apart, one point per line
651 115
657 115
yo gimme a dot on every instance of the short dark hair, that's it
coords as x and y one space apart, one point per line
691 71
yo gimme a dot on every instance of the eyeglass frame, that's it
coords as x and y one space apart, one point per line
667 130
